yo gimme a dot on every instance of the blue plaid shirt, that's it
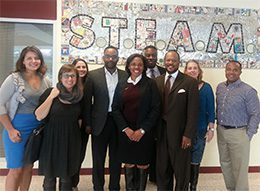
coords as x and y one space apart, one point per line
238 105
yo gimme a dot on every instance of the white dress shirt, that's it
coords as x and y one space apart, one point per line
112 80
173 77
155 71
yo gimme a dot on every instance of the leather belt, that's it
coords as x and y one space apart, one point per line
232 127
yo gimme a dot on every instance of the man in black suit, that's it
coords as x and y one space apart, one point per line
99 92
180 96
153 71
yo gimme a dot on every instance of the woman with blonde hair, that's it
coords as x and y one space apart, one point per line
205 130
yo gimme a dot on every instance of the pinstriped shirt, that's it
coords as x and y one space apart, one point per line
238 105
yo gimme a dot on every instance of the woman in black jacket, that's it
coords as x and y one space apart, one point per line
136 108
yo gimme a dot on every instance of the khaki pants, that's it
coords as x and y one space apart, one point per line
234 147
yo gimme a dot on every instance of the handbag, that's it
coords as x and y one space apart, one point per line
33 145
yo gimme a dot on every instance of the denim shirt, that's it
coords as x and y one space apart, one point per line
238 105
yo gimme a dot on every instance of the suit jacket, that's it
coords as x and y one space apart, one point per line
149 110
97 99
161 70
182 110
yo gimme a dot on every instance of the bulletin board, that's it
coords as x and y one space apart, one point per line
211 35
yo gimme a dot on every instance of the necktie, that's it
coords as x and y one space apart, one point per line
152 73
167 89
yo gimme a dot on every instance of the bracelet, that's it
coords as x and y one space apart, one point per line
211 129
142 131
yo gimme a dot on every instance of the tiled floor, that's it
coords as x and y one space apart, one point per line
207 182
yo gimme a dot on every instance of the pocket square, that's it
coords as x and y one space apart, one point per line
181 91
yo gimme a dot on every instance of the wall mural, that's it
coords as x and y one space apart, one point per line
209 35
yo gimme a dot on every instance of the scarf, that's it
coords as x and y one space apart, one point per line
71 97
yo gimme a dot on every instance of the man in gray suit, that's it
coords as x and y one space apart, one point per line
99 91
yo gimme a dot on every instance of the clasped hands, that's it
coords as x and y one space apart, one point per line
133 135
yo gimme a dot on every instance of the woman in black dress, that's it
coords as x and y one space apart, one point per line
60 109
82 67
136 108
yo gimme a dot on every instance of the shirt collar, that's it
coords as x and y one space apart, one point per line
155 68
107 72
174 75
130 81
233 84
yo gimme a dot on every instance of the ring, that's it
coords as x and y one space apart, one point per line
188 144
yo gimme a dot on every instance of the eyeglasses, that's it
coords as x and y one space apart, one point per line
107 56
67 76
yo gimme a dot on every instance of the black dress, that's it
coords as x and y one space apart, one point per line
60 152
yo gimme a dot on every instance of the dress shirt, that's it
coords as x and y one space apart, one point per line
155 71
130 81
112 80
238 105
174 76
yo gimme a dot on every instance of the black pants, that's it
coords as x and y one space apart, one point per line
84 142
172 161
107 139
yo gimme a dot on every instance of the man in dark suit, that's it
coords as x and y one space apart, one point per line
99 91
153 71
180 98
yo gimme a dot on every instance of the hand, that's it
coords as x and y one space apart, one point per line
209 136
137 135
54 92
15 136
186 142
129 132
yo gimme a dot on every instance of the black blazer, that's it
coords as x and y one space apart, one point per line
149 109
161 70
97 99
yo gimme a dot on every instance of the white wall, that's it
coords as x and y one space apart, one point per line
213 76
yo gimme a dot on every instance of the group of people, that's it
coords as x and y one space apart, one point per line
154 120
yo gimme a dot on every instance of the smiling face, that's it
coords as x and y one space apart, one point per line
192 69
136 67
233 71
151 56
82 68
171 61
31 61
69 80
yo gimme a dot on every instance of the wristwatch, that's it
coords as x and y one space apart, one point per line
211 129
142 131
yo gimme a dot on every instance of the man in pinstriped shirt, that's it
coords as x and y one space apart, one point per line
238 113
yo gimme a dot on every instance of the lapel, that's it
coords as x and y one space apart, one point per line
103 80
160 83
177 81
120 74
143 85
